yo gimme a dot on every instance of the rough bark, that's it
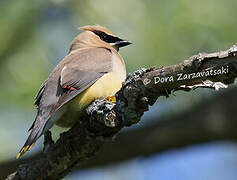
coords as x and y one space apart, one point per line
211 120
105 119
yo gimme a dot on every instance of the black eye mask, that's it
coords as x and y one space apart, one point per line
107 38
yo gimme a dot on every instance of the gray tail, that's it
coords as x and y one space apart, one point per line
36 132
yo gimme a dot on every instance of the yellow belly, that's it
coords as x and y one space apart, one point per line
107 85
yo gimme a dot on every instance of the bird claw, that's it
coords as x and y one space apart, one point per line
111 99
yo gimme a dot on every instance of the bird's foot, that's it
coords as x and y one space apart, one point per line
48 141
123 84
111 99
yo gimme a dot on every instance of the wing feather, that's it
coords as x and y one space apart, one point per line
79 69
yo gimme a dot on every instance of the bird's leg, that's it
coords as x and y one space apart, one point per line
111 99
48 141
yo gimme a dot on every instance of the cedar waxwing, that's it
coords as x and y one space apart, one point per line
92 69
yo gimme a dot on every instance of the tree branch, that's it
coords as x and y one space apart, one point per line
211 120
104 119
214 119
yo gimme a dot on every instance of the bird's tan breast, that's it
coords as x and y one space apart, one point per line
107 85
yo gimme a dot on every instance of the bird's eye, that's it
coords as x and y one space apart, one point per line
107 38
104 37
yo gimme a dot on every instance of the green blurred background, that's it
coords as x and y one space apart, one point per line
36 35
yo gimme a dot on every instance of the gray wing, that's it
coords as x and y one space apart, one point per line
83 68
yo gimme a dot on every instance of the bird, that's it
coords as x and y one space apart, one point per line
92 69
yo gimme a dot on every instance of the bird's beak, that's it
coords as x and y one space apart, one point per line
121 43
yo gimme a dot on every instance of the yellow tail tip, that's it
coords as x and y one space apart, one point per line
24 149
18 156
31 146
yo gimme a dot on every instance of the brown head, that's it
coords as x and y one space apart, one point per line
98 36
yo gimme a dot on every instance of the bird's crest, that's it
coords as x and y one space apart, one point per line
96 28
